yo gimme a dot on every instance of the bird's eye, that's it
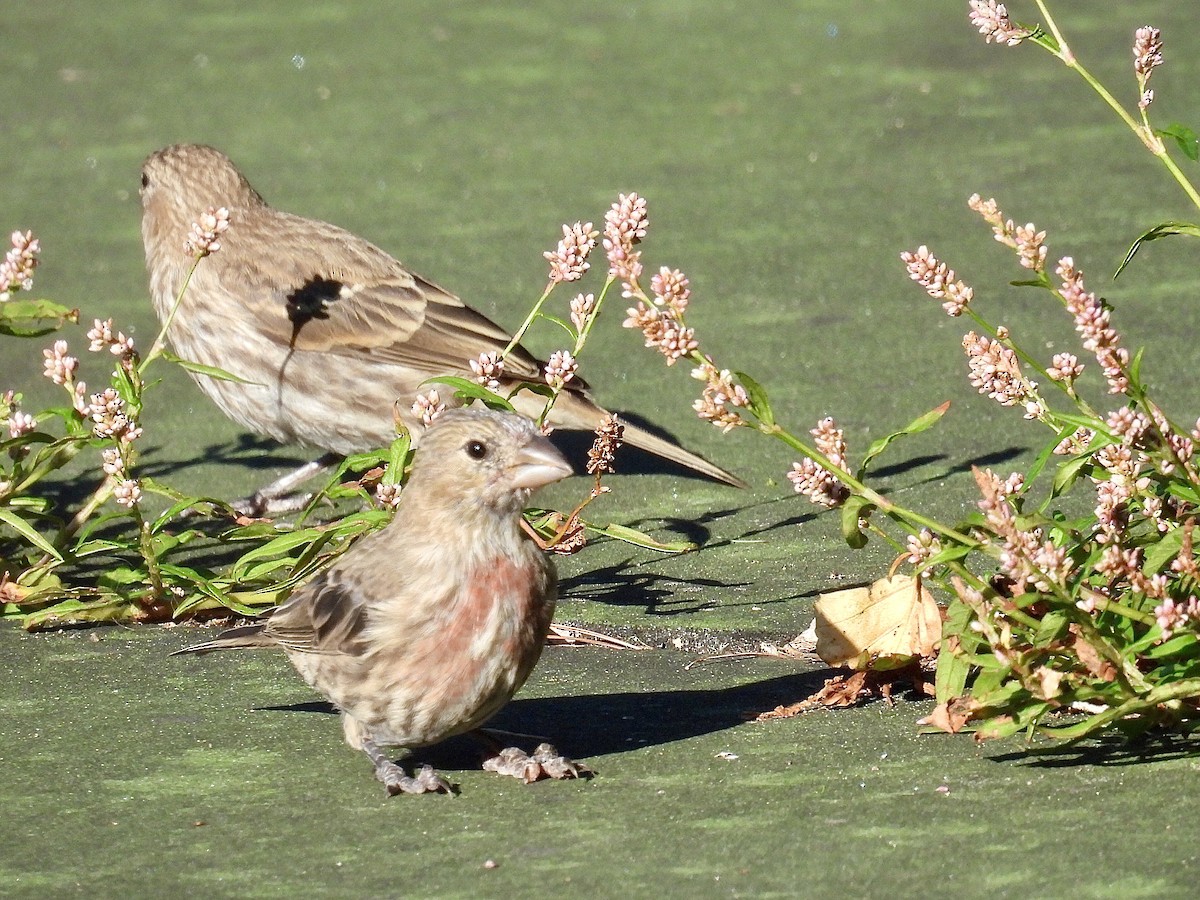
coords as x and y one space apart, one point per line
145 180
477 449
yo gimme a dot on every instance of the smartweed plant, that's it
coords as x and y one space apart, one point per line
119 557
1056 623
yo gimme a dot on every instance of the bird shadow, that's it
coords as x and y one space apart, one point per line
594 725
246 450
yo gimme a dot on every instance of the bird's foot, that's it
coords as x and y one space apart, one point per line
260 505
426 781
544 762
397 781
280 496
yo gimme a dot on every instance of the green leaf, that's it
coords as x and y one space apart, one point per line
1041 37
182 506
244 603
398 456
759 404
186 574
1166 229
953 667
641 539
27 531
272 548
1184 492
1044 457
359 462
31 318
949 554
1135 367
1067 474
1184 137
854 509
916 426
121 576
465 389
92 547
569 329
1176 644
109 608
1165 549
201 369
1052 626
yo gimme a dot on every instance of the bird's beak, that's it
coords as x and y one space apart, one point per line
539 463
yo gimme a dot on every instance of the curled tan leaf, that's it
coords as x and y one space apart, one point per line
884 626
950 716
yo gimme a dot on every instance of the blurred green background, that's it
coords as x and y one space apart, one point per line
789 153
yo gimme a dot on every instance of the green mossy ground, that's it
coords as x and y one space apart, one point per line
789 153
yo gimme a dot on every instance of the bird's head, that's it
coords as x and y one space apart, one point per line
181 182
484 459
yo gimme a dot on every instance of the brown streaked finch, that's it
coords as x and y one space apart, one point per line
425 629
331 335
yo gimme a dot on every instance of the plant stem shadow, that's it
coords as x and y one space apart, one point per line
1107 751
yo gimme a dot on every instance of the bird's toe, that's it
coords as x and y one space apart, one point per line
426 781
544 762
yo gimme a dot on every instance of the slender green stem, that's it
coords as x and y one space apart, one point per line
146 546
529 319
1163 694
580 340
160 342
1120 609
591 320
1064 51
1148 138
871 496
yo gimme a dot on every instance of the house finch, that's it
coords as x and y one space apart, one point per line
427 628
330 335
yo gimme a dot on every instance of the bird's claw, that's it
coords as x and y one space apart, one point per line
544 762
426 781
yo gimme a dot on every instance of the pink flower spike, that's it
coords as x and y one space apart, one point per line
568 261
206 233
560 369
428 407
487 369
991 18
16 271
1147 52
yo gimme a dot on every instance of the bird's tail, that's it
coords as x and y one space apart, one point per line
239 638
576 409
652 443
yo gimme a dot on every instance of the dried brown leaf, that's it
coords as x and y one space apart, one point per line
884 626
950 716
1091 659
839 691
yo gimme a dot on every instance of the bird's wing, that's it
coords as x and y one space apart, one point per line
328 615
333 292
